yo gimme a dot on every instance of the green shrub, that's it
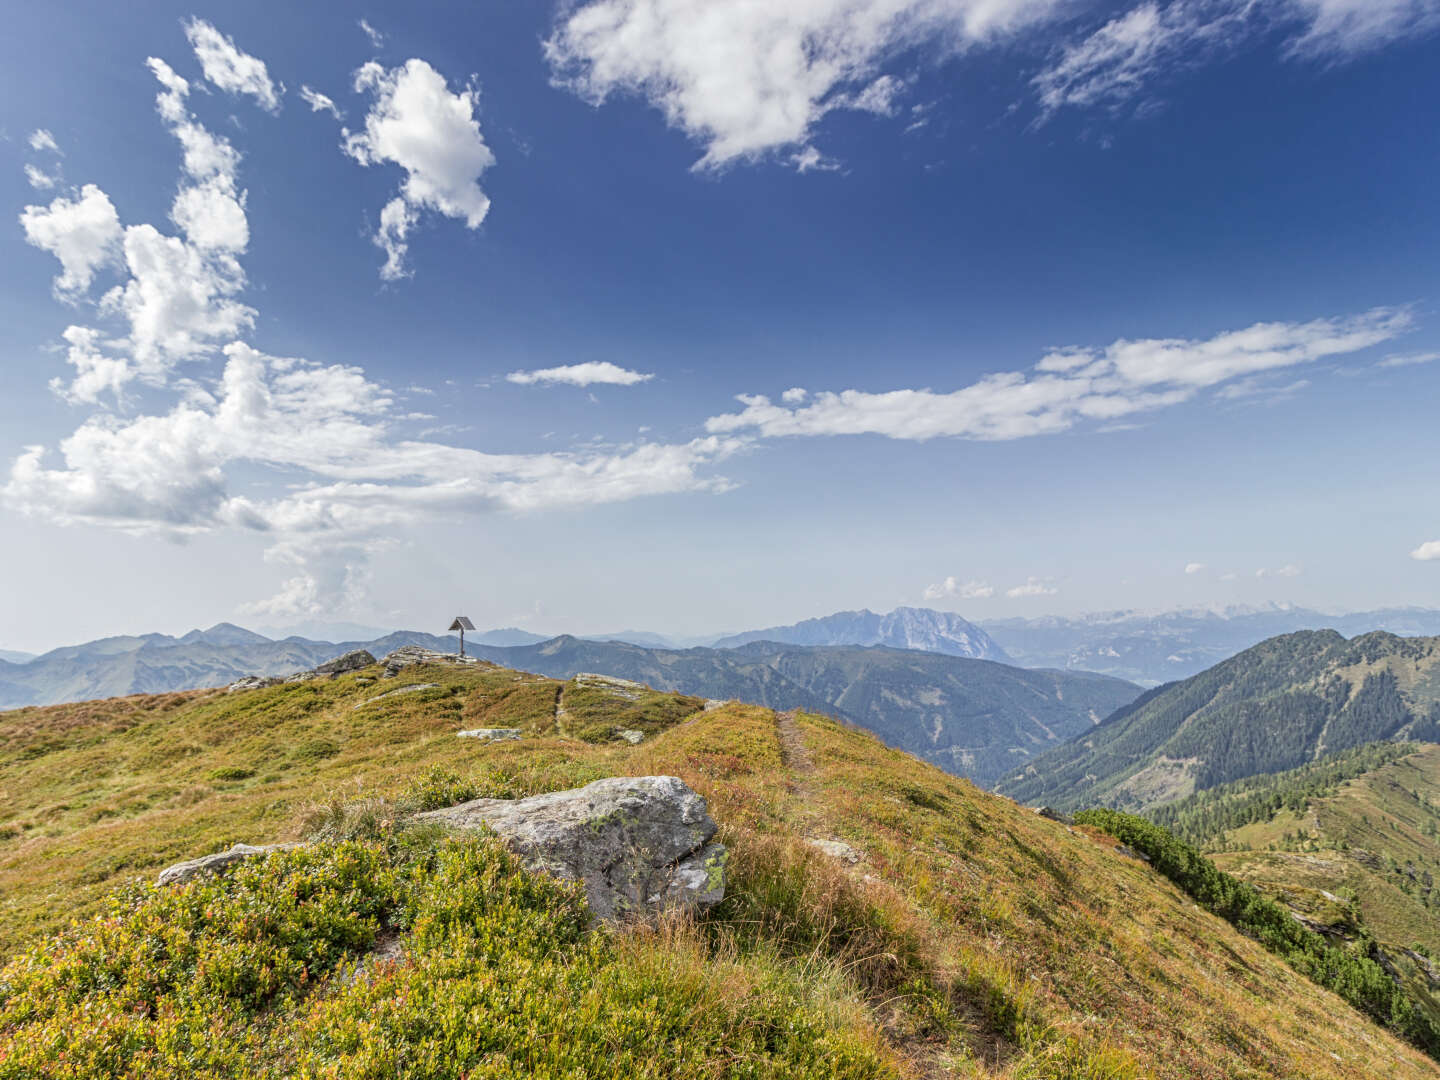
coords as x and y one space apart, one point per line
436 788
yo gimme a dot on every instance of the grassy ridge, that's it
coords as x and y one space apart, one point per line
972 939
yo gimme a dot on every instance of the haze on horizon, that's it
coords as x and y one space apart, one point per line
559 317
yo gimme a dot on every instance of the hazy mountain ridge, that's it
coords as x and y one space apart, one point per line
972 717
904 628
1273 707
1151 648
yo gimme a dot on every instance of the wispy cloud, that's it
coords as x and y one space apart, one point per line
1289 570
954 588
319 102
1408 359
1194 567
1069 385
377 39
1032 587
590 373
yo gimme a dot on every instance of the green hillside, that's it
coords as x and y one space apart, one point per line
969 937
975 718
1276 706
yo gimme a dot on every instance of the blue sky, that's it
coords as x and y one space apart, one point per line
1078 306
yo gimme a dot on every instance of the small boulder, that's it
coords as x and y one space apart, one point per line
252 682
490 734
351 661
634 738
638 844
1051 814
218 863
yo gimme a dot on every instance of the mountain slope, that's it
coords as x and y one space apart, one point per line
971 717
1350 841
1275 706
1151 649
904 628
972 938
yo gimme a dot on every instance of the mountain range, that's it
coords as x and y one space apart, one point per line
975 718
1154 648
903 628
1276 706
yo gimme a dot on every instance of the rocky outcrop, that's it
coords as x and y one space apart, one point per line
252 682
638 844
410 655
351 661
218 863
621 688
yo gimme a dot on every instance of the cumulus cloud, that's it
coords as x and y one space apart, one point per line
589 373
83 233
1032 587
1194 567
1427 552
1069 385
319 102
41 140
750 79
230 68
170 473
953 587
416 122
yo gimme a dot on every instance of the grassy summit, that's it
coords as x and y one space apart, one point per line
970 938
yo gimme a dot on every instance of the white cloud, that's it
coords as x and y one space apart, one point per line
418 124
95 371
83 233
1119 61
168 473
794 395
1408 359
1032 587
586 374
1262 388
319 102
953 587
1116 62
749 79
39 179
377 39
1289 570
1427 552
41 140
1194 567
1342 28
230 68
1069 385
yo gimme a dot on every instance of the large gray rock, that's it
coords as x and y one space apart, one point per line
252 682
351 661
639 844
218 863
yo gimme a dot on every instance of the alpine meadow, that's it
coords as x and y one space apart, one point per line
695 539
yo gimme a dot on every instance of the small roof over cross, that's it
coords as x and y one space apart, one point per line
461 623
